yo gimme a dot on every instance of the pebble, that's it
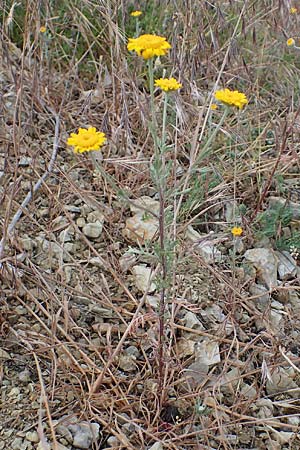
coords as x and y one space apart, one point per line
140 228
156 446
14 392
142 276
32 436
25 161
66 235
17 444
127 363
24 376
84 434
4 354
28 244
190 320
266 263
287 266
61 447
80 222
204 246
112 441
63 431
281 380
95 216
93 230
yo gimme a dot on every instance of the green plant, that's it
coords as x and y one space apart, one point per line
270 222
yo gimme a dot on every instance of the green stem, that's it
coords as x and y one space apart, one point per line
206 148
160 181
137 27
153 124
163 137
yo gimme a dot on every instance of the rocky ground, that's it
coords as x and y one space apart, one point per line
80 292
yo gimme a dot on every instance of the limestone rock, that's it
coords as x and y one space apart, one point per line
143 278
93 230
266 262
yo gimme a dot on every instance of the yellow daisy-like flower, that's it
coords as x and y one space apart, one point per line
168 84
43 29
290 42
86 140
236 231
231 98
148 45
213 106
136 13
293 10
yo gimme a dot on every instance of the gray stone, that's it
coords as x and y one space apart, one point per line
95 216
190 320
287 266
24 376
205 245
80 222
4 354
266 263
127 363
84 434
98 262
126 261
196 373
32 436
262 296
143 278
61 446
64 432
25 161
207 351
73 209
66 235
132 351
17 444
281 380
157 446
93 230
112 441
28 244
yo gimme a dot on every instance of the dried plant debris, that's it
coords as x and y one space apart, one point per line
86 283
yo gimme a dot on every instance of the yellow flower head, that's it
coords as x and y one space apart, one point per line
293 10
213 106
43 29
136 13
236 231
290 42
231 98
148 45
86 140
168 84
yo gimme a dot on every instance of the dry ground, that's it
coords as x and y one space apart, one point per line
71 311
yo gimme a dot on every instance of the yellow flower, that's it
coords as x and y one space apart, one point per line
136 13
43 29
213 106
236 231
149 45
290 42
231 98
293 10
168 84
86 140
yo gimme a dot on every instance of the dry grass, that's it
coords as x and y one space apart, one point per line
79 317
